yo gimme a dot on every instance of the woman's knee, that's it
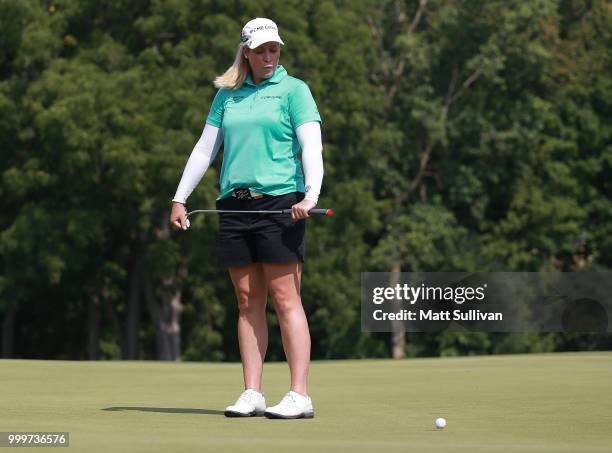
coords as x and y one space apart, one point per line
250 301
250 287
284 284
285 297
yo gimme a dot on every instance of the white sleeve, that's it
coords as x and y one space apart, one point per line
309 136
202 156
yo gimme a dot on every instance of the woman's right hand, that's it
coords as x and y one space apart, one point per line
178 216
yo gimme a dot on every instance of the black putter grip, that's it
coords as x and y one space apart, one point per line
319 211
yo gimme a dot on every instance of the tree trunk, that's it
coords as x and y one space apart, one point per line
8 333
165 307
114 320
132 321
398 334
165 316
93 323
171 324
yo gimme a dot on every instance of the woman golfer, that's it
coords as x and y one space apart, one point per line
263 116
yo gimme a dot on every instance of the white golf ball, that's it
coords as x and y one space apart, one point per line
187 223
440 423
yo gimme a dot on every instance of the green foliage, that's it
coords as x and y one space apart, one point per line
458 136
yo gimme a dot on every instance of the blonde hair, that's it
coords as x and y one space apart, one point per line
234 76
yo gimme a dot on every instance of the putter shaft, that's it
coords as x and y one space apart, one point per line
319 211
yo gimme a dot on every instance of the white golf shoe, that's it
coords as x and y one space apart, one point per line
250 403
293 405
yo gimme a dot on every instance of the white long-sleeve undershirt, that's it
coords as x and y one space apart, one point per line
309 136
203 154
205 151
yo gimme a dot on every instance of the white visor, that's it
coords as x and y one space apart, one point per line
264 37
259 31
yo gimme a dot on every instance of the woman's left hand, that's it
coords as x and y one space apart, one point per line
300 210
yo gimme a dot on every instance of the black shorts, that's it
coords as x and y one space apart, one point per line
260 238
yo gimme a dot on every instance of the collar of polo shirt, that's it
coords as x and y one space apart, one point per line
279 74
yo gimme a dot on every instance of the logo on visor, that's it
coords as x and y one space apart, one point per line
246 34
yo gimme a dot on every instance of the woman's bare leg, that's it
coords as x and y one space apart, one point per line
252 293
283 280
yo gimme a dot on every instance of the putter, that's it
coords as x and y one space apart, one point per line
316 211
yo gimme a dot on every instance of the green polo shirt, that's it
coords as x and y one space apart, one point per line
258 122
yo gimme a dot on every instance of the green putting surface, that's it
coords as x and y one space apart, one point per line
539 403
